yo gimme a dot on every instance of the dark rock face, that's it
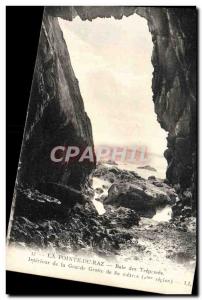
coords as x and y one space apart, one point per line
183 207
122 216
174 89
174 60
56 115
35 206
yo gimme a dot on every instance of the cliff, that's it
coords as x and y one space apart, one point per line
56 115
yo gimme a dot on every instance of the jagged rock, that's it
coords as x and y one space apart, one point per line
183 207
185 223
122 216
131 191
135 196
147 167
112 174
102 172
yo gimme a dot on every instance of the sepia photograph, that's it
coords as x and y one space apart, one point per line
106 185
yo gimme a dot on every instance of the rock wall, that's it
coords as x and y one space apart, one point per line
174 58
56 115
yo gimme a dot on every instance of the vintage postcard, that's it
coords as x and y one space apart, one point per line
106 185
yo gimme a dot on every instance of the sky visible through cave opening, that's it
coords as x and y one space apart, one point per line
112 62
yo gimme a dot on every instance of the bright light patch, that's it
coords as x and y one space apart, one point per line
112 61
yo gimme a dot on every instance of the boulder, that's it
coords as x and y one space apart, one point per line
141 197
112 174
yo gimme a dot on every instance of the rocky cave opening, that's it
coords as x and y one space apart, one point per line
43 220
112 61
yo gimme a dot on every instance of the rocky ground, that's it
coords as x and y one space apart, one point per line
42 221
173 240
163 242
126 226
